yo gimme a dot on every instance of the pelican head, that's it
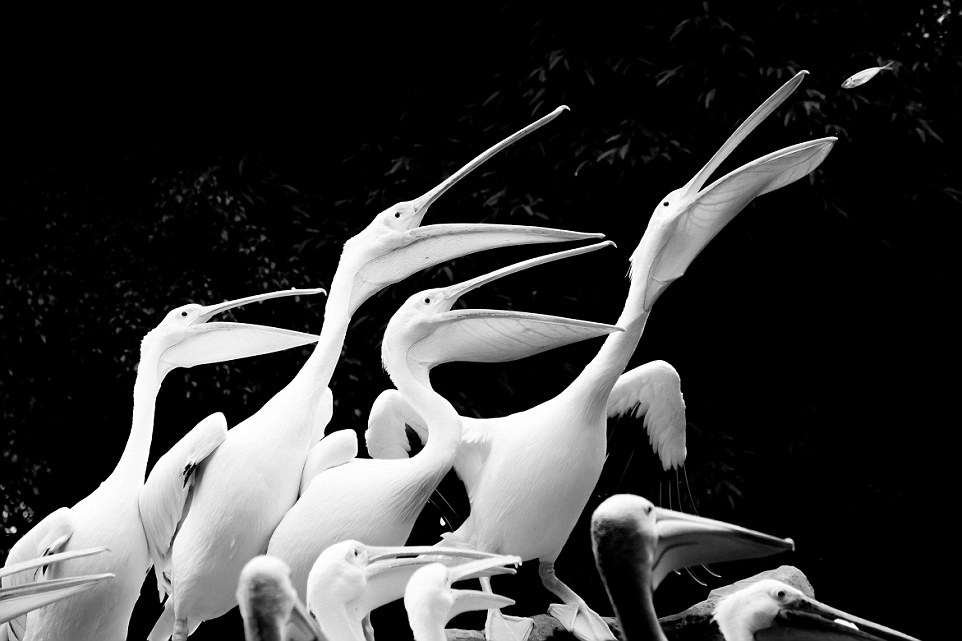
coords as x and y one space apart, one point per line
431 602
185 338
771 609
394 245
688 218
637 544
480 335
268 602
350 579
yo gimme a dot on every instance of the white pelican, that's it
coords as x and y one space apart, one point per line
529 475
268 602
109 516
636 545
770 609
350 579
20 595
243 489
378 501
431 602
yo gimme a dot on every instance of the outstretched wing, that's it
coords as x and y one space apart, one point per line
165 496
654 390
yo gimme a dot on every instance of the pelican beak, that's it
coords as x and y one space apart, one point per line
421 203
210 311
18 600
685 540
49 560
801 614
494 336
694 214
408 559
206 342
390 568
760 114
302 621
470 600
483 567
431 245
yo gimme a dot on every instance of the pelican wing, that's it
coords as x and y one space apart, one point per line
334 449
716 205
165 496
496 336
654 390
18 600
385 436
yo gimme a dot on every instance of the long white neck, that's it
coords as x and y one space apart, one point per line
596 381
132 467
319 368
337 624
443 421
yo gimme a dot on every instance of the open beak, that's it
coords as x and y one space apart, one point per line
493 336
422 203
431 245
697 213
804 617
390 568
18 600
685 540
756 118
49 560
217 342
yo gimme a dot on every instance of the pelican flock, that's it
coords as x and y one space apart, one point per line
307 538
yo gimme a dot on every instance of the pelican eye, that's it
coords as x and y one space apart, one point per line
183 314
427 301
397 214
664 204
780 594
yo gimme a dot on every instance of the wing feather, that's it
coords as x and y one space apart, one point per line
654 390
165 496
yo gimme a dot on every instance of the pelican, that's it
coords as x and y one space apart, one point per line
636 545
268 602
770 609
431 602
110 516
378 501
246 485
21 595
350 579
529 475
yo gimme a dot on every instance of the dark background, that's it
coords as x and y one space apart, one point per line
154 160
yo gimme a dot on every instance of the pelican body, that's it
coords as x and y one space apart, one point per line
110 516
377 501
244 488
